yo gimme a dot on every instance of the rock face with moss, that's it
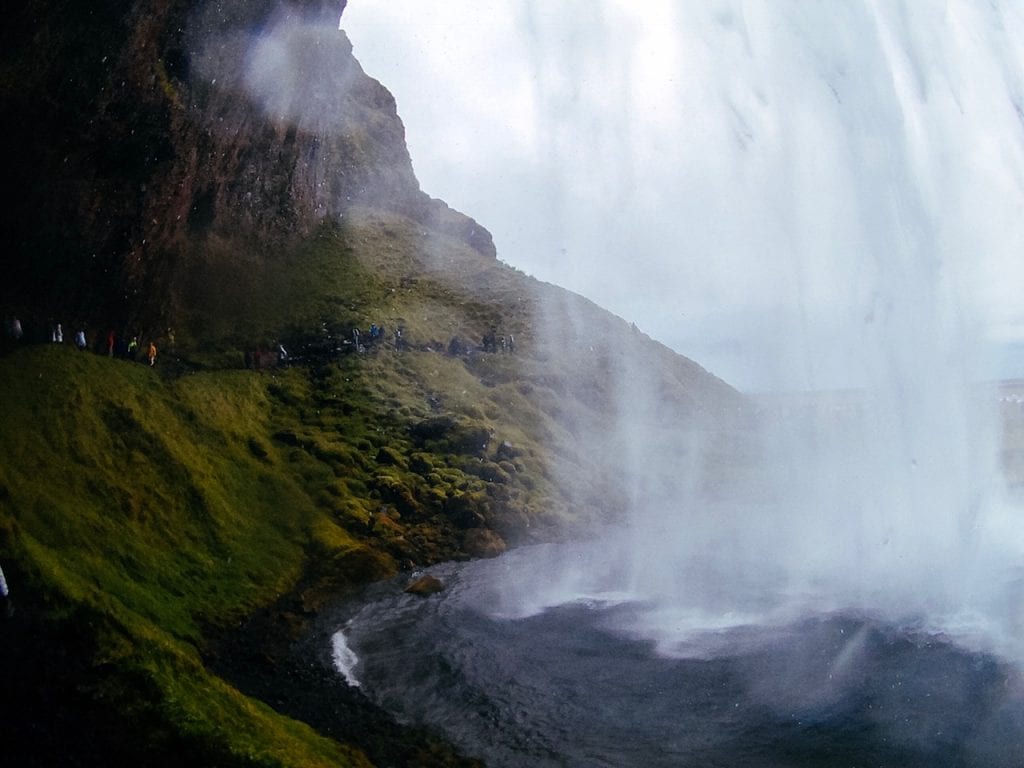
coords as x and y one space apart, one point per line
222 179
149 140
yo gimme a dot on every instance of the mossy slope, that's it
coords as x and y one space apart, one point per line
134 512
146 511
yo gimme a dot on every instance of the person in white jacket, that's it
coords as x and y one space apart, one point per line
5 596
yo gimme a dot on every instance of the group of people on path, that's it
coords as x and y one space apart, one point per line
491 342
375 335
495 343
115 345
261 357
128 348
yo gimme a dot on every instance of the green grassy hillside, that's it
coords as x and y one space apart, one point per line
151 517
145 512
144 516
135 517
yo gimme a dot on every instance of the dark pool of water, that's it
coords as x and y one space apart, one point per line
567 687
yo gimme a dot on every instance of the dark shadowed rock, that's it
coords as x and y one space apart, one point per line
186 122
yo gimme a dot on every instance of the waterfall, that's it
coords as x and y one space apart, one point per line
815 200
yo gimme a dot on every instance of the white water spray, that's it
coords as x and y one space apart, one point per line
865 166
345 659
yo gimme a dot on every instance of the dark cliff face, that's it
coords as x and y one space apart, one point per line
137 132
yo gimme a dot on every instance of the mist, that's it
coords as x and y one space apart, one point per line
732 177
819 201
820 204
808 198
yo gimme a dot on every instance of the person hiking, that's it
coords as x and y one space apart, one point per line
151 354
5 596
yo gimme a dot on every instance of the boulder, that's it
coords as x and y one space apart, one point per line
425 586
388 456
483 542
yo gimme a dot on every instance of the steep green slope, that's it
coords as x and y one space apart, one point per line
147 514
134 517
143 517
144 512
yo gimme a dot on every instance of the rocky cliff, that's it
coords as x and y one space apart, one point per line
139 131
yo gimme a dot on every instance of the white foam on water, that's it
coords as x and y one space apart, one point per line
345 659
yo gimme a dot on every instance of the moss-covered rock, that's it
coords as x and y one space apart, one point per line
388 456
425 586
395 491
467 509
447 434
488 471
422 464
482 542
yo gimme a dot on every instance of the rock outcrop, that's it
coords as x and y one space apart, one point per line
138 131
425 585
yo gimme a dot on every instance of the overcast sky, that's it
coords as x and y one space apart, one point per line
776 190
